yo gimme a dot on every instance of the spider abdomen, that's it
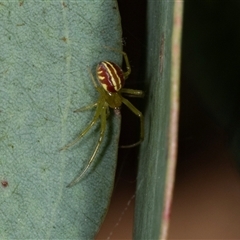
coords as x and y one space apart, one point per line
110 76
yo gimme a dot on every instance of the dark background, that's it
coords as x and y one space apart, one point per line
207 190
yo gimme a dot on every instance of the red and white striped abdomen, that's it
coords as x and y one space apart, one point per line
110 75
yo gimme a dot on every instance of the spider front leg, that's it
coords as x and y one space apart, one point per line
95 118
86 107
139 114
103 113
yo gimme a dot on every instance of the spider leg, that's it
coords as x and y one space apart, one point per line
132 92
128 66
139 114
95 118
103 128
86 107
93 79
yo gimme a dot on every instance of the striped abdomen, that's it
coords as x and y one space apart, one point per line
110 75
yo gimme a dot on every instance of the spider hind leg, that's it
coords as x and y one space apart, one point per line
139 114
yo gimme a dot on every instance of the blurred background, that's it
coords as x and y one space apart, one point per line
206 202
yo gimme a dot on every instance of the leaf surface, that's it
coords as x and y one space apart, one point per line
158 151
47 50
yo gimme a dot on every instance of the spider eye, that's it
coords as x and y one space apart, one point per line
110 76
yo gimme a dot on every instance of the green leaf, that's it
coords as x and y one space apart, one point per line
47 49
158 151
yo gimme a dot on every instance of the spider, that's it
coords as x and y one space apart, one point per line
111 79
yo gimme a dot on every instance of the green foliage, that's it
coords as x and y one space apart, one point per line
47 49
155 150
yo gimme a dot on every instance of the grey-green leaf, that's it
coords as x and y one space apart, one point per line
47 49
158 151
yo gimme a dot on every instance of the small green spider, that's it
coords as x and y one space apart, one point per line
111 79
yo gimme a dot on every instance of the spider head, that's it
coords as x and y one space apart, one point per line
110 76
114 100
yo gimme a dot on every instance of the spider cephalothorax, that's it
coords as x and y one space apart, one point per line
111 78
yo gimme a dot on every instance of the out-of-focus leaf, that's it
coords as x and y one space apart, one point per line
47 49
